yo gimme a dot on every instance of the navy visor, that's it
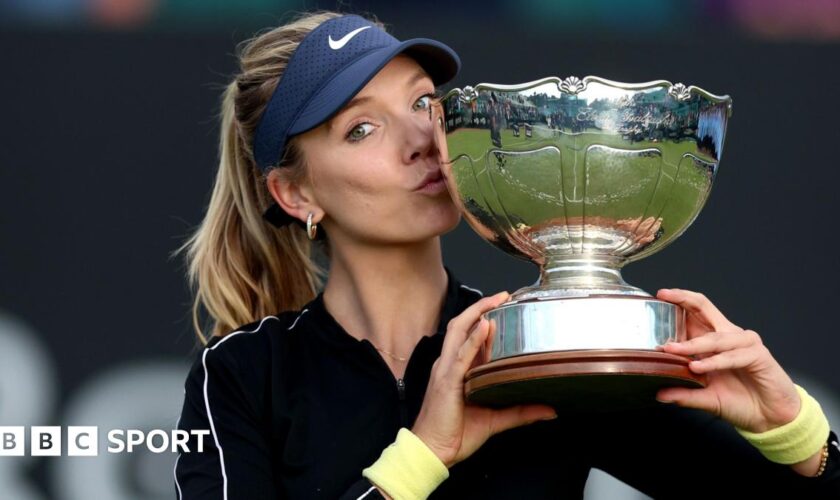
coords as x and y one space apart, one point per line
331 65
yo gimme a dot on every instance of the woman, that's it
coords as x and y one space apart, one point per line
357 392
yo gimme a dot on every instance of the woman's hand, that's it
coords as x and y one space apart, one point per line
746 386
450 427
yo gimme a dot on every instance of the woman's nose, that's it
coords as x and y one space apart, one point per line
418 137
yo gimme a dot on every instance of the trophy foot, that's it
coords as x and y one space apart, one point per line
580 381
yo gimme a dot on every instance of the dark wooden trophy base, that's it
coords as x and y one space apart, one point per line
580 381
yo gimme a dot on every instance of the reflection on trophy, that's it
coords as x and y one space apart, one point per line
581 177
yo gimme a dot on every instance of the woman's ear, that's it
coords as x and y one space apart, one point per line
295 199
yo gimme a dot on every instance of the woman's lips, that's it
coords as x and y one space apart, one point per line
433 183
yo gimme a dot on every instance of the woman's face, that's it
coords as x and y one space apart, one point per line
367 162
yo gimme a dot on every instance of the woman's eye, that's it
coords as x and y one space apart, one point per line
359 132
424 102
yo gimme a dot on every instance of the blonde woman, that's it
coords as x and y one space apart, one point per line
356 391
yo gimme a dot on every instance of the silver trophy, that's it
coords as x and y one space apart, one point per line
581 176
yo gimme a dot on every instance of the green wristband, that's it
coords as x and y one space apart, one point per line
797 440
407 468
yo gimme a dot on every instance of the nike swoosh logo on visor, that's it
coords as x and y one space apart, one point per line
341 42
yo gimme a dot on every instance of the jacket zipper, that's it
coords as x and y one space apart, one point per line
403 409
400 386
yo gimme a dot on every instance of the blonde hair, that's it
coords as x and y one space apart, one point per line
240 267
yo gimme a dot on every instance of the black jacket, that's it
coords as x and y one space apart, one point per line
297 408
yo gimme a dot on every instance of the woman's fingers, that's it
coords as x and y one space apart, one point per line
471 314
485 348
713 342
709 399
459 327
515 416
698 305
729 360
701 399
488 344
468 350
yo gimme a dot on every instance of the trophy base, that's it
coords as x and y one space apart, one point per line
595 380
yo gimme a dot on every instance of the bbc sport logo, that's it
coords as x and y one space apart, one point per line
83 441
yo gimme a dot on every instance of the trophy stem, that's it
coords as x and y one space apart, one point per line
582 270
565 276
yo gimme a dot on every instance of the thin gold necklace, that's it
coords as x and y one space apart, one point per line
383 351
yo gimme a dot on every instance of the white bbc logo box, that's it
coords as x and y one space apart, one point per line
82 441
11 441
45 441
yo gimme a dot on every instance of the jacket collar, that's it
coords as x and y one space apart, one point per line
457 299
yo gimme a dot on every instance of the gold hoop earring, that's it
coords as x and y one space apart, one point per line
311 229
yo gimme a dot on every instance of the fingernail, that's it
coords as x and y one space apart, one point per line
664 398
552 417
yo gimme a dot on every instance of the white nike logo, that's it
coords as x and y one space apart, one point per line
341 42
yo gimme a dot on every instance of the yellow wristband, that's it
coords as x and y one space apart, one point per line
407 468
797 440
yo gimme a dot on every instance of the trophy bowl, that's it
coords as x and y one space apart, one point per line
580 177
